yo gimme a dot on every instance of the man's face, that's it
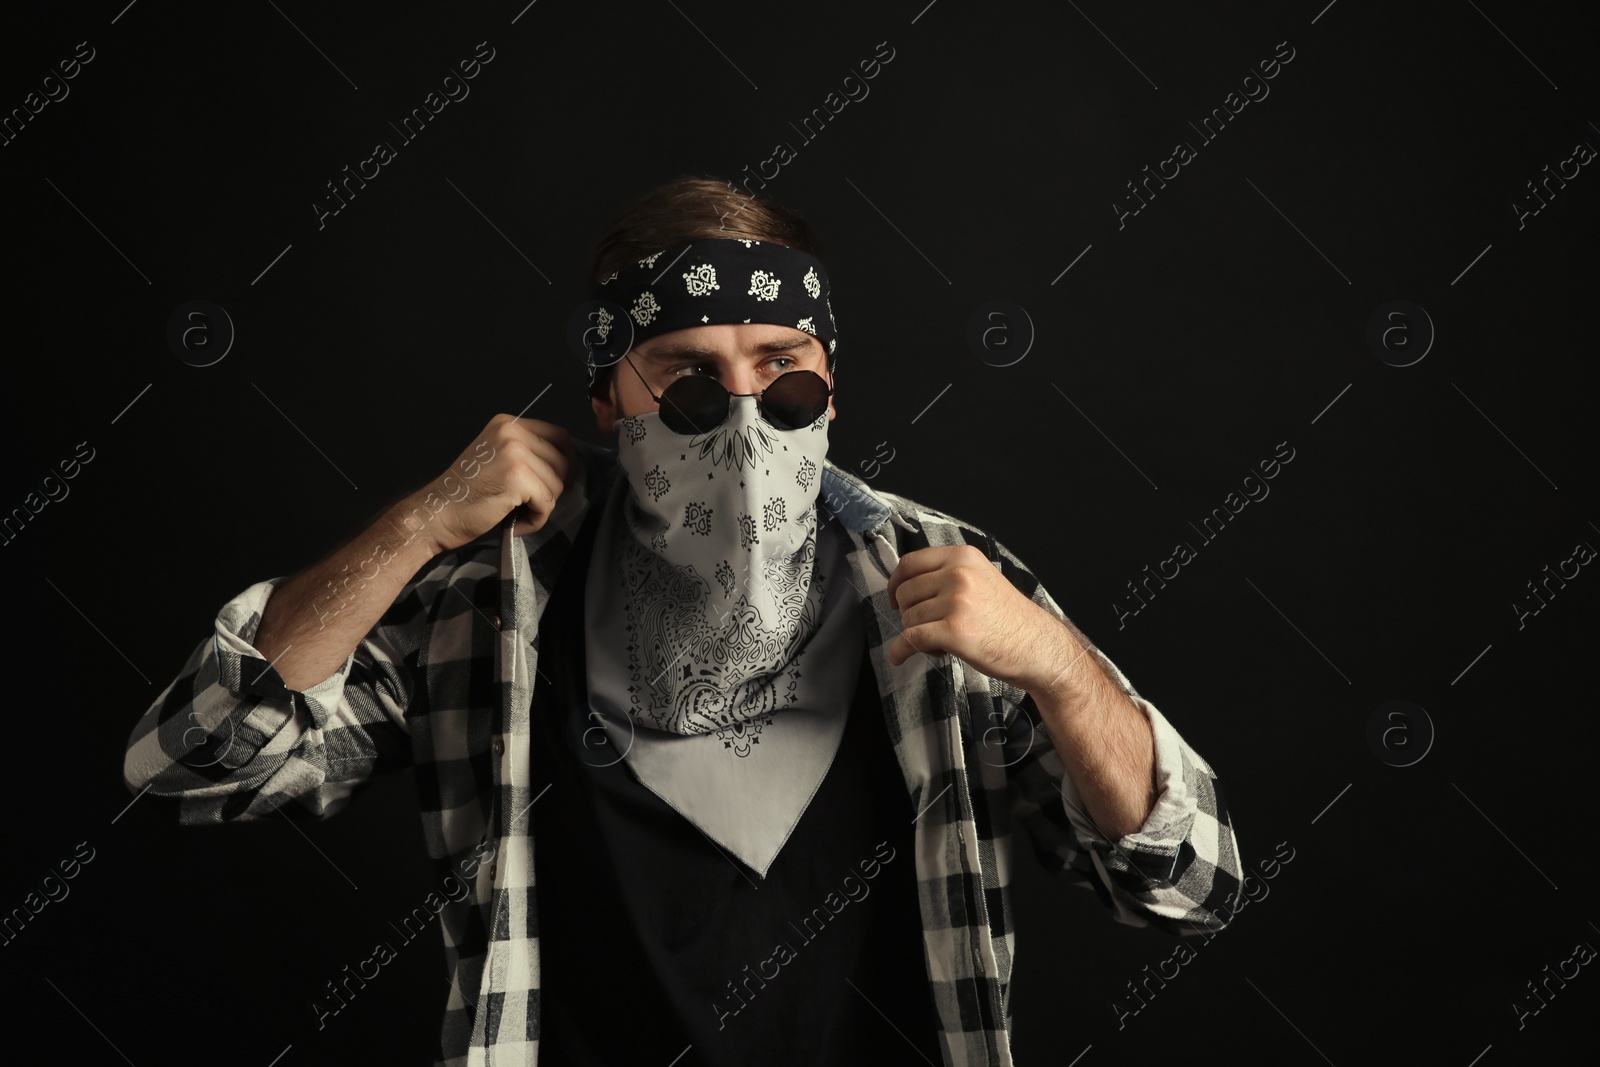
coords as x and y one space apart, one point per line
743 357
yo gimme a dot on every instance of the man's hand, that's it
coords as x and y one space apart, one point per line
520 464
313 621
953 600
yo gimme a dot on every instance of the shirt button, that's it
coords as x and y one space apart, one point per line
499 747
497 622
495 866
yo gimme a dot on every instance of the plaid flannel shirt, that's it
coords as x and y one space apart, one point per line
443 684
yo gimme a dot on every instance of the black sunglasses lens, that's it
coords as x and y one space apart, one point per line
796 399
694 404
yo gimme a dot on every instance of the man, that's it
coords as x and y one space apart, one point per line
770 744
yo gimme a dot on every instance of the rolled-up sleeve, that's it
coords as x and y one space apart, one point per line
230 740
1179 870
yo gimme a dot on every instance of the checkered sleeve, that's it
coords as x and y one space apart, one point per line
231 741
1179 869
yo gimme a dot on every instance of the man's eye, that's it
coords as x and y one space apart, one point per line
789 364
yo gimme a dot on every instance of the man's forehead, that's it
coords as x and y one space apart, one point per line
741 339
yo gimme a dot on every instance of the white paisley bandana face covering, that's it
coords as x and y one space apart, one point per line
721 657
719 561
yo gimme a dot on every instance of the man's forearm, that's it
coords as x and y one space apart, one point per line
314 620
1104 741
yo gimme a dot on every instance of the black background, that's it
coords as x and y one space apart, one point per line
1226 317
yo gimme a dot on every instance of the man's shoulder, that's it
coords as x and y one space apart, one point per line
935 526
909 523
921 526
930 527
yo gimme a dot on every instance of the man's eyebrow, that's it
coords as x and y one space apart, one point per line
680 351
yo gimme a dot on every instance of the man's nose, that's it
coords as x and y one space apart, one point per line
744 380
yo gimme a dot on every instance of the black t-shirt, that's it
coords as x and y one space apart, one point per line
654 940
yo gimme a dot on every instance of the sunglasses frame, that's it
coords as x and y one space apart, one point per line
761 403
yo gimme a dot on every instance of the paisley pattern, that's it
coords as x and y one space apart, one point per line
716 576
724 684
697 517
747 532
785 285
644 309
734 447
764 286
701 280
603 328
656 483
718 677
741 736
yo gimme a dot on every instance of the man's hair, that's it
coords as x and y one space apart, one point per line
693 209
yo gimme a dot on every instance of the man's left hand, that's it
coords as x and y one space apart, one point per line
953 600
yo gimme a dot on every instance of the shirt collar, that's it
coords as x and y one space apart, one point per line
851 500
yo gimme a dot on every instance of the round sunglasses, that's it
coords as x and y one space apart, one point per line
697 403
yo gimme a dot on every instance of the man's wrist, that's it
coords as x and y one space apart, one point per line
410 529
1069 676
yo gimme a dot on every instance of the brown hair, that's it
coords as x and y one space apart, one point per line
692 209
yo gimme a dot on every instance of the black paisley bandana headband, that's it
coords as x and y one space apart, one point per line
705 283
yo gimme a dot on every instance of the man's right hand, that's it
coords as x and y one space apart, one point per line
516 464
313 621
